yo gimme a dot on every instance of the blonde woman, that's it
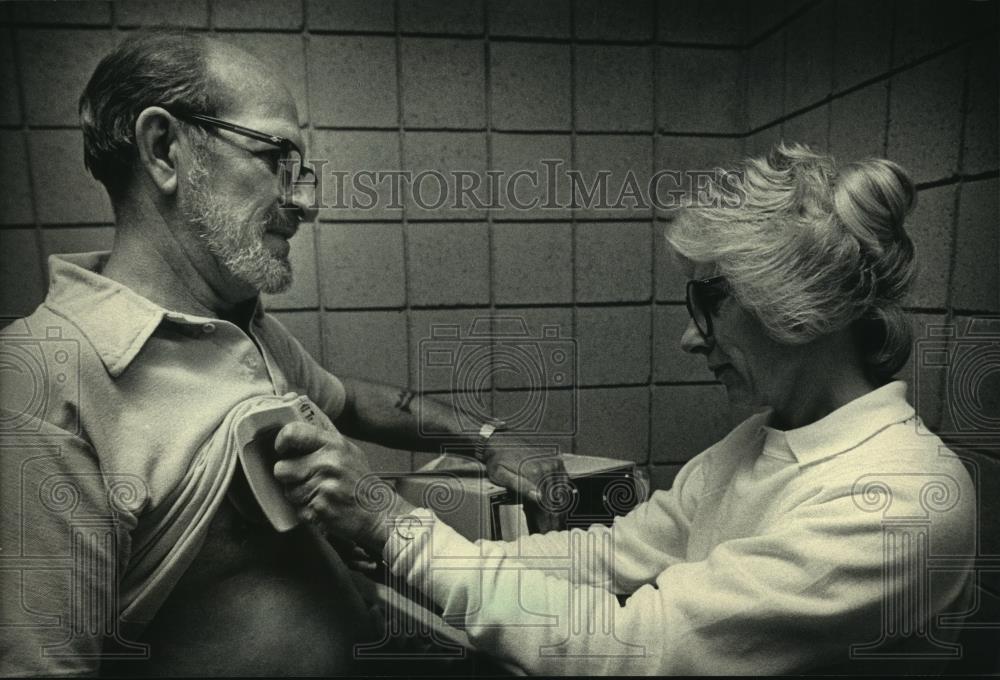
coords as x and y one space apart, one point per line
798 542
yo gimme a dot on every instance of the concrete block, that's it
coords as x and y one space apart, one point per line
284 54
10 106
924 381
857 123
534 349
613 262
671 279
670 362
765 81
369 345
449 263
529 187
613 343
64 191
662 477
703 22
926 117
686 420
529 18
351 15
864 34
445 153
15 203
614 422
980 143
532 263
925 26
22 282
354 153
760 142
543 417
361 265
809 57
628 160
614 88
811 128
763 16
596 20
188 13
353 81
55 67
305 327
304 291
59 241
930 228
976 282
271 14
970 395
530 86
700 90
441 16
469 346
443 83
71 12
692 156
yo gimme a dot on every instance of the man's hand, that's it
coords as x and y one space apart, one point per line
328 480
534 473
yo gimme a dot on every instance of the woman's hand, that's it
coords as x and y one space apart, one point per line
328 480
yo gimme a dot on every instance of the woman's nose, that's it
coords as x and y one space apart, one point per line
691 340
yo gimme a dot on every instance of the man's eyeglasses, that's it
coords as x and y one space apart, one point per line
703 298
292 172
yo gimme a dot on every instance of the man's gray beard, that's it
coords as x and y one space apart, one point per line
235 241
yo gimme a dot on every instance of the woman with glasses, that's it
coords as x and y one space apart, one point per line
801 541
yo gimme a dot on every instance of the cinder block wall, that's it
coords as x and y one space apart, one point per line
499 85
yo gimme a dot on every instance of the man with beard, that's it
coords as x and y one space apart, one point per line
123 501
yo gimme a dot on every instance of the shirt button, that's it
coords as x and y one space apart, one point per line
208 328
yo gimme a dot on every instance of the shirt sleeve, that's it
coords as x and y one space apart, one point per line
64 550
644 542
791 598
304 373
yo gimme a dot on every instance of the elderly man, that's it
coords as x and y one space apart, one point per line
123 493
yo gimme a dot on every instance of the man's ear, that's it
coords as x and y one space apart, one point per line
157 143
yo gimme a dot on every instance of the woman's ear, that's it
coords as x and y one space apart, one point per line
156 141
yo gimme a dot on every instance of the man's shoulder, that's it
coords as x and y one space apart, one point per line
44 359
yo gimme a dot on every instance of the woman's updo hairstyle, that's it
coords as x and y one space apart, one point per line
810 248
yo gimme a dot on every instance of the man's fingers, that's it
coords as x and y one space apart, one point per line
298 470
297 438
520 485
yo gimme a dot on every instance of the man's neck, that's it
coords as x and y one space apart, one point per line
148 259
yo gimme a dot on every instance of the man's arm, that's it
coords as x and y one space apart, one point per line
403 419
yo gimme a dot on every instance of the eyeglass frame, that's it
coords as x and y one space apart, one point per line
276 140
711 283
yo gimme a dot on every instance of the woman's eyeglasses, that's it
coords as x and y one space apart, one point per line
703 298
292 172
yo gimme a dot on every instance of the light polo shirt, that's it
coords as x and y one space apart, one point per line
773 552
104 392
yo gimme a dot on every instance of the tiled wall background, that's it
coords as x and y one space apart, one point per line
500 84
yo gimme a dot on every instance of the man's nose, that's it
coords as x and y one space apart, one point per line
306 201
691 340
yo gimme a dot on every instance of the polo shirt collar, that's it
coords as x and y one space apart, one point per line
848 426
115 319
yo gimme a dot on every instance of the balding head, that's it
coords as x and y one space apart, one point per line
180 71
244 85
